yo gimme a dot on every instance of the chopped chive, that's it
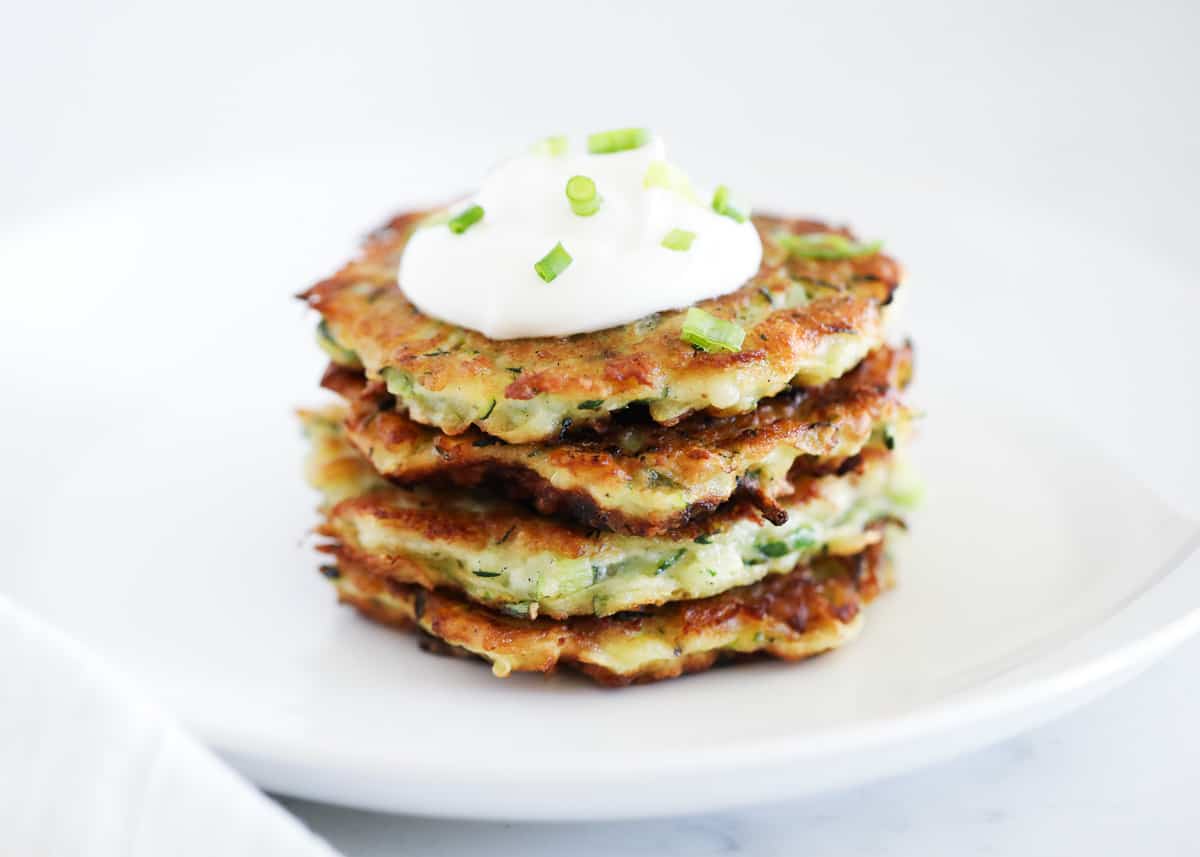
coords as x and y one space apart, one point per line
581 193
703 540
710 333
666 175
486 573
803 540
670 561
590 405
827 245
721 205
773 549
551 147
553 263
618 140
679 239
464 221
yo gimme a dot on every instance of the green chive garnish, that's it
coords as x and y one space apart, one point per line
618 140
553 263
720 204
710 333
773 549
671 560
581 193
803 540
464 221
666 175
827 245
551 147
679 239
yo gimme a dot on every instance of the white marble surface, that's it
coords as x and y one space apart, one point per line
1117 777
1086 107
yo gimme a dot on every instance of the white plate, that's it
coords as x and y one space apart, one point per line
157 512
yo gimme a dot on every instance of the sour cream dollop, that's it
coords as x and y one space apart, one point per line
484 278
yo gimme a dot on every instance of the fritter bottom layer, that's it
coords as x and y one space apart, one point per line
813 609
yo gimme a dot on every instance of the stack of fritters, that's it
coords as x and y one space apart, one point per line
619 501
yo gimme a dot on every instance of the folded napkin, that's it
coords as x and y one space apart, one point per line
89 766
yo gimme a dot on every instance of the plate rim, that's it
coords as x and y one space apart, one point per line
972 721
1009 695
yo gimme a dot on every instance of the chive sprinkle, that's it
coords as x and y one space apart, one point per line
679 239
721 205
581 193
551 147
671 560
462 222
803 540
618 140
773 549
709 333
553 263
666 175
827 245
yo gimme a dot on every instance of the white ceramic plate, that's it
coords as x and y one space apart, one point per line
156 511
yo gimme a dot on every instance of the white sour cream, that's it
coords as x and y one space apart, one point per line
484 278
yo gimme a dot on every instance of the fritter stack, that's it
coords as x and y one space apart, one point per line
621 502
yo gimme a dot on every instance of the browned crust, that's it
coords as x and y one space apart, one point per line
369 313
434 516
831 423
789 616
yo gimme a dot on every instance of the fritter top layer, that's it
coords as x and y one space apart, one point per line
646 479
807 321
808 611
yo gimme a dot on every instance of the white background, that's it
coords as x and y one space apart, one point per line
1086 110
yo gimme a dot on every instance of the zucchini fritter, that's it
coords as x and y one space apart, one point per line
502 555
807 321
646 479
812 609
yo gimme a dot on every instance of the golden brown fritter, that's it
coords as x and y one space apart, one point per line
807 321
812 609
504 556
639 478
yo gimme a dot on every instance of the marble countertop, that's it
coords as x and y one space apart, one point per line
1118 776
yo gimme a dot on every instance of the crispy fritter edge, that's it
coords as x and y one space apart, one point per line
795 616
618 372
878 380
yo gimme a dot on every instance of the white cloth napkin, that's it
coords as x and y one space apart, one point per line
89 766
